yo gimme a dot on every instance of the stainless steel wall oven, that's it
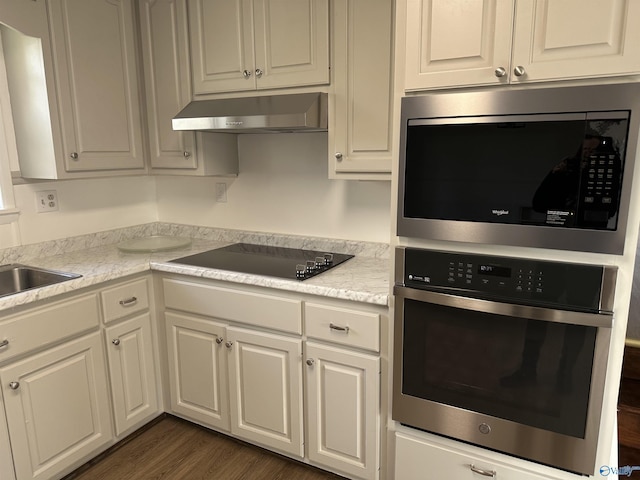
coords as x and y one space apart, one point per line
504 353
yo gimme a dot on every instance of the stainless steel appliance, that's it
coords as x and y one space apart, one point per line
505 353
537 167
282 262
300 112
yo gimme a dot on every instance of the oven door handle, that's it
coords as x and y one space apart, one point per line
604 319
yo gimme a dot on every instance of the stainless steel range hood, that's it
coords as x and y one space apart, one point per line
303 112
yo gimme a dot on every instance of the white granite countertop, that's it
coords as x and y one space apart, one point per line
361 279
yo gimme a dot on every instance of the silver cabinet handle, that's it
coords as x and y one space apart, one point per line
74 155
338 156
338 328
519 71
14 385
229 344
186 154
4 343
500 72
219 340
310 362
246 73
259 73
128 302
116 341
480 471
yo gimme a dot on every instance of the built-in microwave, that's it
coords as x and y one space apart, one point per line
534 167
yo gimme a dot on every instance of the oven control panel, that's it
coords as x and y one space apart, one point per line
508 278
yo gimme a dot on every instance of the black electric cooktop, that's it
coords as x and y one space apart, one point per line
281 262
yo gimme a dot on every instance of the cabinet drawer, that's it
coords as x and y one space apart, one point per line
46 325
344 326
419 460
234 305
123 300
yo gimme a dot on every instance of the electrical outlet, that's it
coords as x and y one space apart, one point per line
46 201
221 192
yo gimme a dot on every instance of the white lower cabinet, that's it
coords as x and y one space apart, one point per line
343 390
420 459
131 369
238 380
265 389
246 345
197 369
57 406
6 460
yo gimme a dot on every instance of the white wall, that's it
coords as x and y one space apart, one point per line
282 187
85 206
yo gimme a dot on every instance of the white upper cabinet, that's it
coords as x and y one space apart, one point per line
78 115
240 45
165 54
485 42
167 74
94 47
361 100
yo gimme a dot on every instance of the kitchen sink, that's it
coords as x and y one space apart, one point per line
16 278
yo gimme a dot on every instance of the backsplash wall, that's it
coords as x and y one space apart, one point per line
85 206
282 187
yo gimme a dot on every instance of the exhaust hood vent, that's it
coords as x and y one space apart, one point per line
303 112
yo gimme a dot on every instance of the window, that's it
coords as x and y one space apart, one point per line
8 150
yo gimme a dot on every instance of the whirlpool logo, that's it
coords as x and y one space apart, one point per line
500 212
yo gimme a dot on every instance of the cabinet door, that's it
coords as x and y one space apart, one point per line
97 84
131 367
197 369
343 392
6 460
57 405
265 389
576 39
457 42
165 51
291 43
361 103
222 45
241 45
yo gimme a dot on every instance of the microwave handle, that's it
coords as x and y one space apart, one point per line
603 319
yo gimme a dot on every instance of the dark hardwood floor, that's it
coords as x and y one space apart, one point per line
174 449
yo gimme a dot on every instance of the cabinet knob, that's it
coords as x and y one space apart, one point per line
338 156
219 340
519 71
4 343
229 344
74 155
186 154
259 73
310 362
500 72
246 73
116 341
14 385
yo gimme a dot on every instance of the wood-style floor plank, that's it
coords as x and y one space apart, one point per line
174 449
